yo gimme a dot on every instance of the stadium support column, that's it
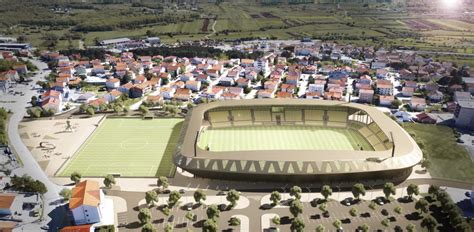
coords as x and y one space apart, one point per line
393 145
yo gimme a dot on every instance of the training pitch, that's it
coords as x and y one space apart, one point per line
282 138
129 147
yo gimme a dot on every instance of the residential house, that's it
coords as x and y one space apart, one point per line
226 81
318 86
214 92
424 118
4 84
386 100
314 95
112 95
154 100
98 69
271 84
203 78
432 86
125 88
186 77
21 69
284 95
193 85
435 96
290 88
85 203
334 93
236 90
366 95
384 87
12 75
247 63
293 78
266 93
411 84
469 82
243 82
167 92
408 91
7 204
139 90
262 65
8 226
182 94
230 96
139 79
417 104
462 96
85 98
112 83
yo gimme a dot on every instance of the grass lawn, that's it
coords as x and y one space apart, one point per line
131 147
448 159
281 138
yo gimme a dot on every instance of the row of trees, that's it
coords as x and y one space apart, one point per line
3 126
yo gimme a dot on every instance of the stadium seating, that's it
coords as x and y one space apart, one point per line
241 115
337 116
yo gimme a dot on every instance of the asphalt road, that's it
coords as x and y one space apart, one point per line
31 167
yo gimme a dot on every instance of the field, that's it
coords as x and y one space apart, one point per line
448 159
281 138
130 147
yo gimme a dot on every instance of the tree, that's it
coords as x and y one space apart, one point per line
337 223
296 208
364 227
168 228
411 228
429 223
295 192
189 216
199 196
144 216
425 163
151 197
162 182
385 222
353 212
233 196
297 225
396 104
76 177
275 197
234 221
33 101
34 112
422 205
320 228
357 190
166 211
326 191
109 180
276 220
398 210
173 198
143 109
323 207
209 226
412 189
65 194
212 212
433 191
90 111
118 109
388 189
148 227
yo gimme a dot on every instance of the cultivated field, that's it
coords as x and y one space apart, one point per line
129 147
281 138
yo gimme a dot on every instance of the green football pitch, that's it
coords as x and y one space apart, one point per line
281 138
129 147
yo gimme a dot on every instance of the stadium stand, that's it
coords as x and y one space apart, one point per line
314 115
262 115
293 116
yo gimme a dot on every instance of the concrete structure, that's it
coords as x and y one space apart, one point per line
464 114
394 156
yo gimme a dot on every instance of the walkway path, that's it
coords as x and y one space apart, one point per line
30 166
213 28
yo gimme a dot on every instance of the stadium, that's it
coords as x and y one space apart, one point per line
294 140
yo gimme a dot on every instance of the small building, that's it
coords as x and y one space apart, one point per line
386 100
435 96
408 91
417 104
384 87
112 83
193 85
153 41
366 95
424 118
464 114
85 203
6 203
81 228
182 94
462 96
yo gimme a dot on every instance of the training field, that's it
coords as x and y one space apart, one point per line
130 147
282 138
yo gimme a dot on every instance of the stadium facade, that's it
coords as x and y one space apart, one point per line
392 158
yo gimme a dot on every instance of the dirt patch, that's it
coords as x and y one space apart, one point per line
205 24
422 25
268 15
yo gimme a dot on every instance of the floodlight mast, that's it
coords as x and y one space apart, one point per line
393 145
